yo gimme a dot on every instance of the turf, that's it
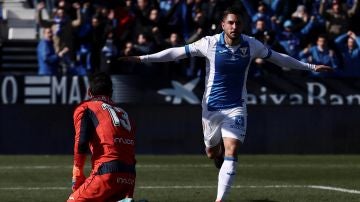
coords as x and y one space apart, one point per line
260 178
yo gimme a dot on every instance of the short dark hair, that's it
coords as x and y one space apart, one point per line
231 10
100 84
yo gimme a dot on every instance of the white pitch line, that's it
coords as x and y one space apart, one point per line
329 188
350 191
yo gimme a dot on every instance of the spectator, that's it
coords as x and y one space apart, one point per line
128 67
320 54
83 31
143 44
337 21
142 12
109 52
290 40
349 46
123 20
155 27
267 37
199 27
180 18
48 59
262 13
260 28
62 26
82 65
175 69
300 17
213 13
283 9
98 39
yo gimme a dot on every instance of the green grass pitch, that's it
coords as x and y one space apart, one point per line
185 178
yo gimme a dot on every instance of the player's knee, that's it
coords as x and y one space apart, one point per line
211 154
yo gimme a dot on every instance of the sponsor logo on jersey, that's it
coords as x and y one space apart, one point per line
120 140
223 51
121 180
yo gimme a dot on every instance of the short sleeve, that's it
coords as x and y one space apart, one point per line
198 48
260 50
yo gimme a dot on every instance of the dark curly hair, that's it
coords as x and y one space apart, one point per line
100 84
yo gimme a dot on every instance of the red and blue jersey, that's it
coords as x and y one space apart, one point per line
106 130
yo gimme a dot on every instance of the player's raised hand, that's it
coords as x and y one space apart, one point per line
130 59
323 68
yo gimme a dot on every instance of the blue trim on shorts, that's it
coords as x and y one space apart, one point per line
187 51
230 158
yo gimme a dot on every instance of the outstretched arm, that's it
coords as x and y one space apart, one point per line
171 54
283 60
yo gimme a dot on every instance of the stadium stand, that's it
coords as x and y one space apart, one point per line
18 53
156 20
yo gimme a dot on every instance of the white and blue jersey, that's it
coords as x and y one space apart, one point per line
226 69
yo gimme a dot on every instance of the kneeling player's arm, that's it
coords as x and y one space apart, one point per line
171 54
84 128
78 177
286 61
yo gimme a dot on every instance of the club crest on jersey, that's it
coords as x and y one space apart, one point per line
244 52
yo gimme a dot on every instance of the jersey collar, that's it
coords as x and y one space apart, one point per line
222 38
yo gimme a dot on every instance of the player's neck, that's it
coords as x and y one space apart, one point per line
231 42
104 98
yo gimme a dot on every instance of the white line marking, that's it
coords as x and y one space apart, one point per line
338 189
350 191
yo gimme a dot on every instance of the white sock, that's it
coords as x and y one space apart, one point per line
226 177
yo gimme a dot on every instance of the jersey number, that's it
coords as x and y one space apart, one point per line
122 121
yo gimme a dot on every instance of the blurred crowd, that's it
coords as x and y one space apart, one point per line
82 36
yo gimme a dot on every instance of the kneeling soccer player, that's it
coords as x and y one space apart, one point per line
108 132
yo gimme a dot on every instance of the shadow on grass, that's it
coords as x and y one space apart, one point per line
263 200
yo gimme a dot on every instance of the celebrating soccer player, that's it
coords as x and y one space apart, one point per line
228 56
109 133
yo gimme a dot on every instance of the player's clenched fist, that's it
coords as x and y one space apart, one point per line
78 177
77 182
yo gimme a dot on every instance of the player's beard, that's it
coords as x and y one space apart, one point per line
234 36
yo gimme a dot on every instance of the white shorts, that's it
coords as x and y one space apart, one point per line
225 123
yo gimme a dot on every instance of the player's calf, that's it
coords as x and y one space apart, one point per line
217 153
